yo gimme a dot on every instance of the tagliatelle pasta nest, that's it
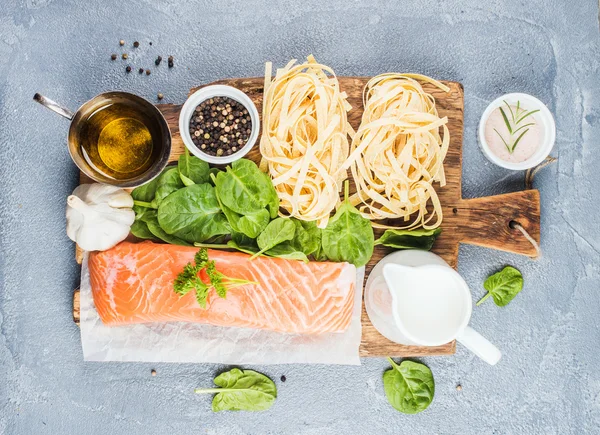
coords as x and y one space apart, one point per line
305 138
398 152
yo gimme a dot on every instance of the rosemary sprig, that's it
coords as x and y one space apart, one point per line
513 125
188 279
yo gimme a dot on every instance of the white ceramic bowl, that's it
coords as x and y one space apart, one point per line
204 94
544 117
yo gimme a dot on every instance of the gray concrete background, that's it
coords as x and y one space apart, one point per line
547 381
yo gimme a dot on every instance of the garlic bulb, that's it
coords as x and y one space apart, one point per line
99 216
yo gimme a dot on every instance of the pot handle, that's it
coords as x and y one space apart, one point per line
54 106
479 345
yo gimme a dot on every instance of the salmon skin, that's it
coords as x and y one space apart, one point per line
133 283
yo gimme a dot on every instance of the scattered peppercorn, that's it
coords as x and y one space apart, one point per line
213 132
170 61
283 378
459 387
153 372
136 44
128 69
147 72
161 96
141 70
121 42
124 56
150 42
158 60
113 57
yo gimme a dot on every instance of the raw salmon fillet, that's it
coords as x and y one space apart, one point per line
133 283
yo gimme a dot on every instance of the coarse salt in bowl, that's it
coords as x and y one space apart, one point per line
545 129
204 94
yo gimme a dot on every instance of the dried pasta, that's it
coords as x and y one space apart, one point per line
305 138
398 153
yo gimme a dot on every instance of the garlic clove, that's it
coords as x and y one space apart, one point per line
99 216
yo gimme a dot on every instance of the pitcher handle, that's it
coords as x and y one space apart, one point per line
479 345
54 106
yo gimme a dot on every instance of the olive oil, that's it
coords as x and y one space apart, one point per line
119 141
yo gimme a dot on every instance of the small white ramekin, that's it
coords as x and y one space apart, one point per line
545 118
210 92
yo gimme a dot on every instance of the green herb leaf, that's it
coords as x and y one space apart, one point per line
518 139
413 239
409 387
348 235
503 286
505 144
531 112
188 279
278 230
512 114
505 120
193 214
241 390
192 170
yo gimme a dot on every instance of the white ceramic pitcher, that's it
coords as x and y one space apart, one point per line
416 298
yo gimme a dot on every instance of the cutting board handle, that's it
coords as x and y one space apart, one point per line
489 221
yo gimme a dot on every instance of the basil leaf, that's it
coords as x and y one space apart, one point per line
241 390
503 286
167 183
409 387
193 214
413 239
245 189
348 236
278 230
192 170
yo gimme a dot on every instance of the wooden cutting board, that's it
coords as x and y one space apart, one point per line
480 221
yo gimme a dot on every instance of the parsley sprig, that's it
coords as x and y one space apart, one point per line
188 280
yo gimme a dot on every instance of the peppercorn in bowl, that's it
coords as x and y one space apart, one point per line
219 124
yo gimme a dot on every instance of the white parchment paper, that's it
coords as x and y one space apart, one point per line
196 343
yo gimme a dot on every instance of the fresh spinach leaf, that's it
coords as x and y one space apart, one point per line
348 236
319 255
287 251
245 189
192 170
503 286
409 387
140 229
193 214
144 194
307 238
167 183
241 390
243 243
413 239
152 223
253 224
278 231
